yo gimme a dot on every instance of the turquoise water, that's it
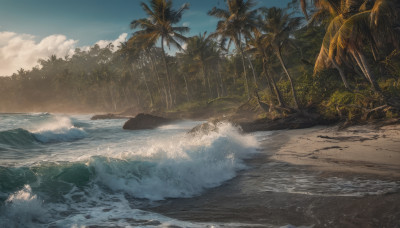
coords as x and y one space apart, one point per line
63 171
70 171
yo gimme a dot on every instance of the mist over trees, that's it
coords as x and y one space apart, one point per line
339 58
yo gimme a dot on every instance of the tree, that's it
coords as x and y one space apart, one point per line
279 26
200 52
236 24
357 24
261 48
159 26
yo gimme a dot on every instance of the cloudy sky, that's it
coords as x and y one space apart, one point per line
33 29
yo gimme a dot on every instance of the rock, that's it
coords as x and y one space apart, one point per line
205 128
145 121
294 121
108 116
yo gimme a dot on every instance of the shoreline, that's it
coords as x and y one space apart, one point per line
248 198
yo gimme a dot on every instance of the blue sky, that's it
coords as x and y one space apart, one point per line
91 20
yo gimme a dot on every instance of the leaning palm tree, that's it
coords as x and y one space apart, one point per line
357 24
279 26
357 32
236 23
159 26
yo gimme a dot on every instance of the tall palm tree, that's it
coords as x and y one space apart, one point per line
159 26
236 23
261 49
279 26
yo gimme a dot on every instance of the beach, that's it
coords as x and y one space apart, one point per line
315 177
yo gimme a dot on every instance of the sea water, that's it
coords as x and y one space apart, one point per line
70 171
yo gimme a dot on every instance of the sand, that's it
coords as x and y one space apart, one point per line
364 149
270 192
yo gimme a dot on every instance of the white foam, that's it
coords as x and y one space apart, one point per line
98 207
22 208
57 129
177 166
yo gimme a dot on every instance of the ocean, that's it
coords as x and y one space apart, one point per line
69 171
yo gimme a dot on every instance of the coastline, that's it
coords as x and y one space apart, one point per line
248 198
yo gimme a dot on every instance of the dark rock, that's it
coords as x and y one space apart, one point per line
108 116
145 121
291 122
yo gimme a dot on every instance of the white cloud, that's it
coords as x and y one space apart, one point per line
115 43
22 51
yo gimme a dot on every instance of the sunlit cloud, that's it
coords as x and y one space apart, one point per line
115 43
23 51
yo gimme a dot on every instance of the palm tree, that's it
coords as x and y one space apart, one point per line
159 26
279 26
355 25
236 24
202 51
260 48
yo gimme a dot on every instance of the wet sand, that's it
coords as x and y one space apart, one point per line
308 177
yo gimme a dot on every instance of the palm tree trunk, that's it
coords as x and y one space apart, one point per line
371 77
341 72
274 88
223 92
187 88
252 69
358 61
296 103
206 80
159 81
167 73
239 45
246 83
362 63
148 91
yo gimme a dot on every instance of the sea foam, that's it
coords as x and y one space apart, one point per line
179 166
22 208
57 129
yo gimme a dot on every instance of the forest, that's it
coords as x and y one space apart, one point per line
337 58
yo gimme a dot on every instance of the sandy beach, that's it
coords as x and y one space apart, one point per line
315 177
364 149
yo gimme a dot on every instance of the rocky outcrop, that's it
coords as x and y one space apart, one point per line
145 121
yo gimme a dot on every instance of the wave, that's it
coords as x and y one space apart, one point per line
17 138
23 209
58 129
179 167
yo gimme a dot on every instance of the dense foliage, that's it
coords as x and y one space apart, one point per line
343 63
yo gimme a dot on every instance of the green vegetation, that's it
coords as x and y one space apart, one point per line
342 62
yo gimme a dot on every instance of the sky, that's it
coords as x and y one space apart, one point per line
34 29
